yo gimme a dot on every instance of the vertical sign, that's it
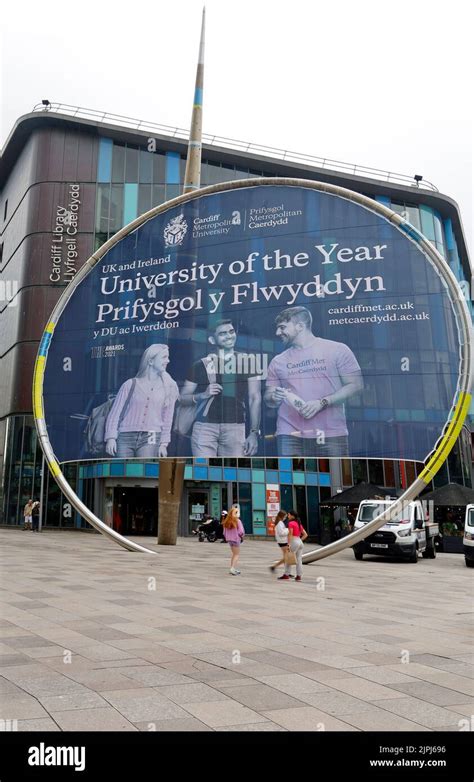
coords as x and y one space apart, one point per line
273 506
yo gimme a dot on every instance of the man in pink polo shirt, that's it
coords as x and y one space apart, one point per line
309 383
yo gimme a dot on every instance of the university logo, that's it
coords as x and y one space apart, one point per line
175 231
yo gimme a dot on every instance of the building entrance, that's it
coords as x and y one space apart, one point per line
197 504
135 510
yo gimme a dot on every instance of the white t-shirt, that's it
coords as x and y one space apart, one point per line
311 373
281 532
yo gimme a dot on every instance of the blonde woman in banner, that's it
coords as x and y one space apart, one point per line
139 422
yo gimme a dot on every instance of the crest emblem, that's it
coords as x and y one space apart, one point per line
175 231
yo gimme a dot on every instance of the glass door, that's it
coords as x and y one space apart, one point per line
197 506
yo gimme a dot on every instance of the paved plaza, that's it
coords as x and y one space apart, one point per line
93 637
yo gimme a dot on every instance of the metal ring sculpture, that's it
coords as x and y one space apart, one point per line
434 461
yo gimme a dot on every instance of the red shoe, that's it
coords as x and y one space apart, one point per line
284 577
298 578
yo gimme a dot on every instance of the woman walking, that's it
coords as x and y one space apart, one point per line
296 535
234 534
281 537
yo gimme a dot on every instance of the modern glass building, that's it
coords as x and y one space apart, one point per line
114 169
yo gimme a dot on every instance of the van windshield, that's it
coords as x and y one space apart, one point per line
369 512
470 518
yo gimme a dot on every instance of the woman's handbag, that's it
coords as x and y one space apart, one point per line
289 557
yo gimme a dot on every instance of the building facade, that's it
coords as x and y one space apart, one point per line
105 173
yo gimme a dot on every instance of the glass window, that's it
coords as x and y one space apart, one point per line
230 462
258 464
271 464
241 173
313 527
359 469
245 463
102 209
146 166
323 465
298 465
346 472
118 163
325 493
158 195
159 165
300 499
172 191
286 497
376 471
389 469
214 173
116 209
312 465
410 472
413 215
455 466
131 164
144 198
215 462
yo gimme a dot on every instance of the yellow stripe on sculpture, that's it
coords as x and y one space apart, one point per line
449 438
38 411
54 467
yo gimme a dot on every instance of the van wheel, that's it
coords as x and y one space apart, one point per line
469 562
359 556
414 556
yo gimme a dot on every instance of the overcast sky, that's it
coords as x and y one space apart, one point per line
382 85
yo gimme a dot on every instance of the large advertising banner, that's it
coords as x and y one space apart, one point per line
270 320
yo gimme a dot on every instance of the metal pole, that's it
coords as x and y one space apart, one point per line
40 517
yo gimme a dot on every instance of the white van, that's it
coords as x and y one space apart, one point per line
405 536
468 542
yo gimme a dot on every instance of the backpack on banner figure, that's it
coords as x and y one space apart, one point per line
94 433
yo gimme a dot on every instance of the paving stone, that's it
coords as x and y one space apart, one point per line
440 696
75 700
38 726
293 684
16 707
255 727
221 713
377 719
364 689
425 714
107 719
186 725
150 707
307 718
192 693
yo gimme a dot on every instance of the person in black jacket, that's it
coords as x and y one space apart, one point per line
35 515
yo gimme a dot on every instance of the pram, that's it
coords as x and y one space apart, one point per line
211 531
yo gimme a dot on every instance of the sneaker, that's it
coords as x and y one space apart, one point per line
284 577
298 578
234 572
290 576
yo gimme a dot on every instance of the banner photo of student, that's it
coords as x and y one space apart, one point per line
267 320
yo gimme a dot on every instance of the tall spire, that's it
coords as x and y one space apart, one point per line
192 176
